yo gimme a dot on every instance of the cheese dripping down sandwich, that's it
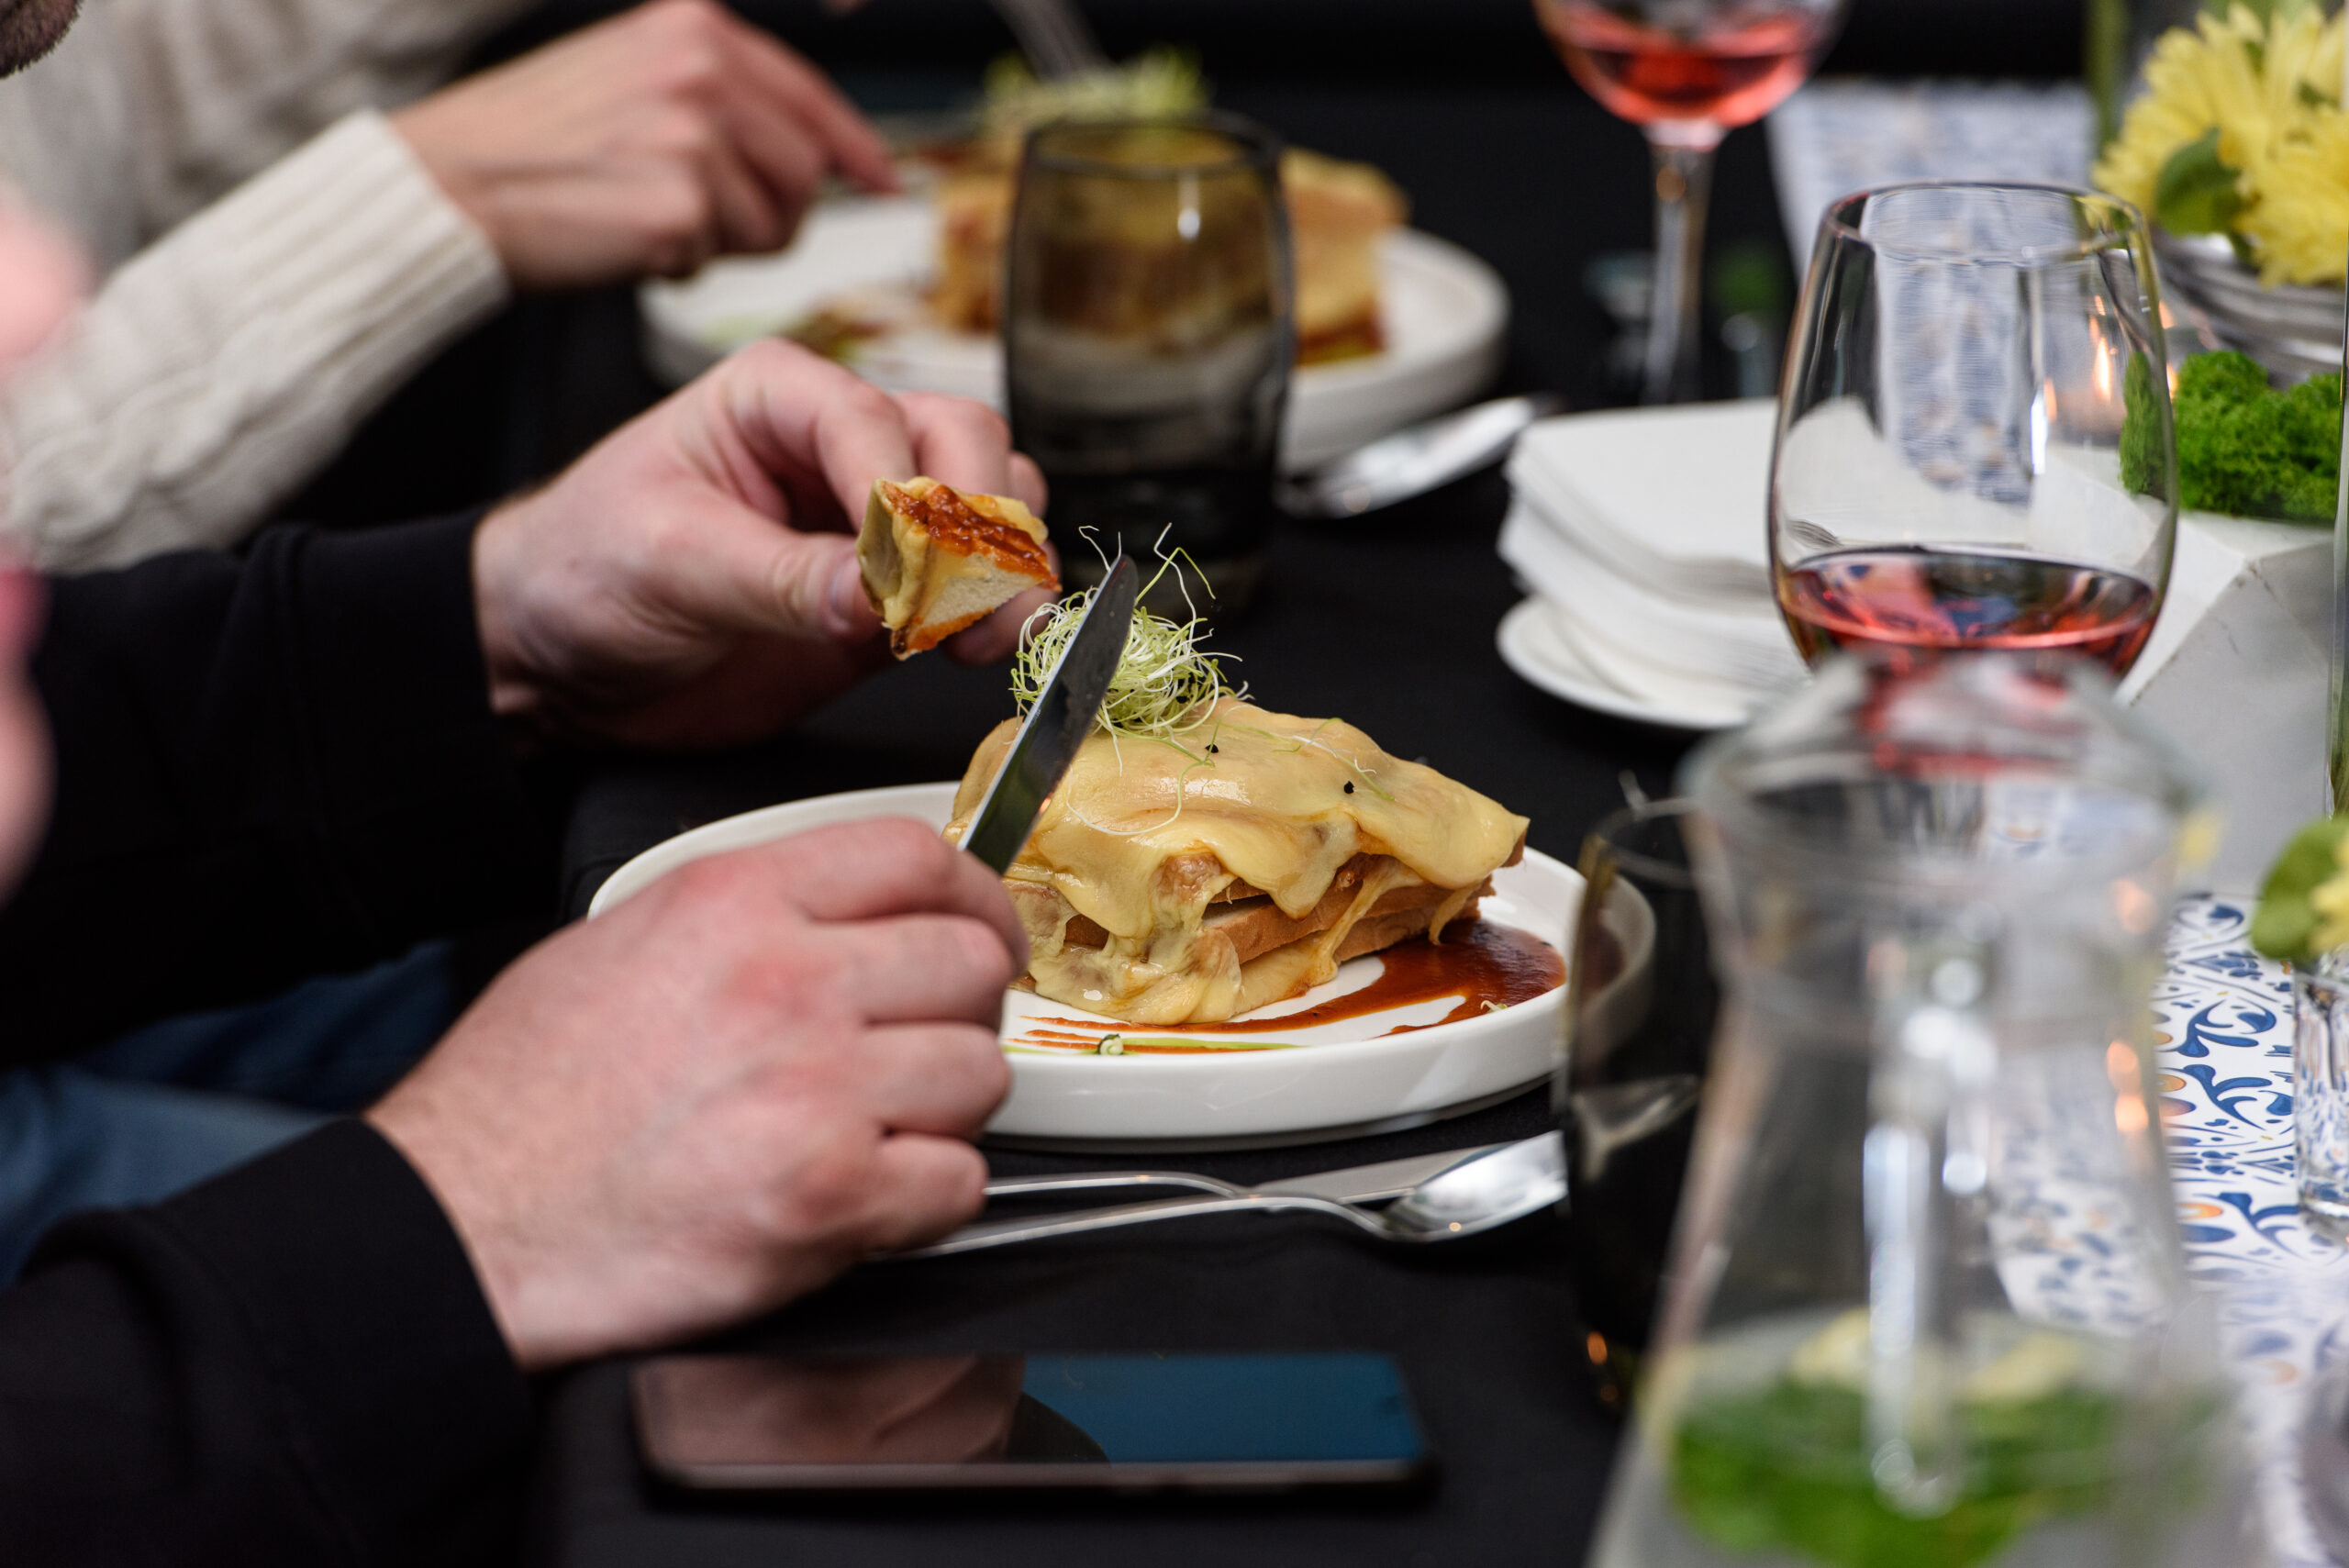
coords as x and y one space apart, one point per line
935 559
1191 882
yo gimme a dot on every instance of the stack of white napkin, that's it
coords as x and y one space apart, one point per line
1645 532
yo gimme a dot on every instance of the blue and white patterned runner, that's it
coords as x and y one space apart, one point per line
1837 136
2224 1018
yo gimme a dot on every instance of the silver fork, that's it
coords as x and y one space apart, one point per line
1355 1184
1054 37
1488 1188
1088 1179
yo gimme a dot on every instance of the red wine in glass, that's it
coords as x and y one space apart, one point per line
1920 602
1727 75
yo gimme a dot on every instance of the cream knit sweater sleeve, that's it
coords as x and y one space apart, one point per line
220 89
221 366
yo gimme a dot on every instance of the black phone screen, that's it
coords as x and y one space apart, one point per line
1122 1420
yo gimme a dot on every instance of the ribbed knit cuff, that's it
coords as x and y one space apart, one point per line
220 367
359 254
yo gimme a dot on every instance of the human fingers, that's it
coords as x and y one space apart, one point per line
921 1188
799 413
890 865
1028 483
963 443
776 148
848 138
938 1078
920 967
746 215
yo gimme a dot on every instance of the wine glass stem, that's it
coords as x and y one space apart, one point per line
1684 180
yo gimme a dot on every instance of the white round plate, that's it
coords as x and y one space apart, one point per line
1445 314
1536 643
1337 1079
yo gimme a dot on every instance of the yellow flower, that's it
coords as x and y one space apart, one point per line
2272 91
2330 899
2299 228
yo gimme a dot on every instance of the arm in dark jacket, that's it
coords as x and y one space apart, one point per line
267 768
292 1363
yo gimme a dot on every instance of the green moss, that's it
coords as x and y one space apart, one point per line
2245 448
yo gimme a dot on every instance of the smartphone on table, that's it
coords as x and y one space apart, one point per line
1131 1421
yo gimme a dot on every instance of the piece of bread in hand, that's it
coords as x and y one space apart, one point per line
936 559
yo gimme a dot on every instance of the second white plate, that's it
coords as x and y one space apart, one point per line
1445 313
1333 1080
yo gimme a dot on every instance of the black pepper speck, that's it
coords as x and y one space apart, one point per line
1350 786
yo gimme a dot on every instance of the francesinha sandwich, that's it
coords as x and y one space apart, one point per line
1204 857
935 559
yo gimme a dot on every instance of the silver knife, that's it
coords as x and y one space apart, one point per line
1057 725
1355 1184
1372 1181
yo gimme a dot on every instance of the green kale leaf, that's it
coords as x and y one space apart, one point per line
2196 193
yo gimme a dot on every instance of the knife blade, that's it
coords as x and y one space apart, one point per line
1057 725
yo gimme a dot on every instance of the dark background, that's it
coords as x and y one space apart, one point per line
1463 102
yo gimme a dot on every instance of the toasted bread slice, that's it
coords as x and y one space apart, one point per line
1295 968
936 559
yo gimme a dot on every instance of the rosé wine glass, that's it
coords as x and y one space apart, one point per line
1686 71
1973 447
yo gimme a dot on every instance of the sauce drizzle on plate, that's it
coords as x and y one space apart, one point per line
1485 964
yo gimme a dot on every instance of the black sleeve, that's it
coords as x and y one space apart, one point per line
291 1363
267 768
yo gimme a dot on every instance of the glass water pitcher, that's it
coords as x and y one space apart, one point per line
1928 1307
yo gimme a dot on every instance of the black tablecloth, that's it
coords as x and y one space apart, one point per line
1389 623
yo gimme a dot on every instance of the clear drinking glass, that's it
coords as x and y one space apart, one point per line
1927 1300
2320 1091
1975 447
1148 334
1638 1023
1686 71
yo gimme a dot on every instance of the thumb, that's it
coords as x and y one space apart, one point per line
815 589
751 574
845 614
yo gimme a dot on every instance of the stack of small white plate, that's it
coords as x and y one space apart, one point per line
1642 536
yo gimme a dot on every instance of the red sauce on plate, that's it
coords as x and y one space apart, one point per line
1479 962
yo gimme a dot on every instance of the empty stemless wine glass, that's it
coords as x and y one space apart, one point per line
1148 333
1974 446
1639 1018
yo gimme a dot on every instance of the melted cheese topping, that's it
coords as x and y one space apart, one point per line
1143 834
